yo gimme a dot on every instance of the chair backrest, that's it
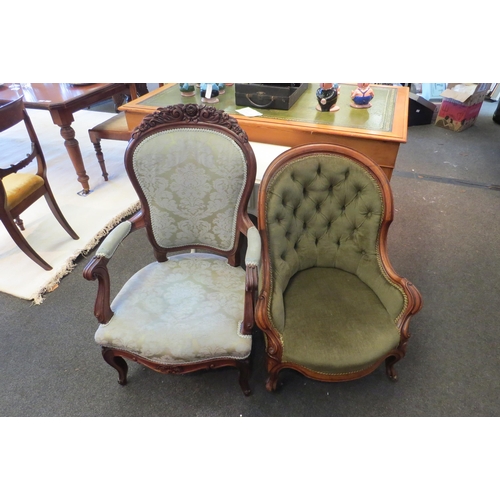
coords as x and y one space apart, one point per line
326 206
194 171
12 113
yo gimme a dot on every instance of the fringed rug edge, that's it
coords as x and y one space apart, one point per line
70 264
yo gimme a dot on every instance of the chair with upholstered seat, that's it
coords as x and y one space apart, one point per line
330 304
114 128
193 309
19 190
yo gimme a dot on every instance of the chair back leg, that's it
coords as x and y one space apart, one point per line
96 141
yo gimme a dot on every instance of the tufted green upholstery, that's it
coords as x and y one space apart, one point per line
330 300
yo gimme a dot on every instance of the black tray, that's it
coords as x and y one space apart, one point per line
268 95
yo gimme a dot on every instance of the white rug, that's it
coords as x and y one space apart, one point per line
91 217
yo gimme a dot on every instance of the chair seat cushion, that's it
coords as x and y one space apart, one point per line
334 323
115 127
19 186
187 309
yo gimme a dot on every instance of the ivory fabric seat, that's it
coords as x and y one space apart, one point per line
193 309
330 304
187 309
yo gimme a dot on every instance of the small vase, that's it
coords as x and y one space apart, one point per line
327 95
187 89
362 96
209 92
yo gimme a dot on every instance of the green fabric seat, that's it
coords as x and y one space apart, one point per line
335 323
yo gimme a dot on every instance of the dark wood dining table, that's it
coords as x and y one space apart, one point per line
62 100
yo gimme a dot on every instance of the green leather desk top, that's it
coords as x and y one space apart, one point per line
378 118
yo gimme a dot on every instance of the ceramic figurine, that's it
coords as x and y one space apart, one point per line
209 92
187 89
222 88
327 95
362 96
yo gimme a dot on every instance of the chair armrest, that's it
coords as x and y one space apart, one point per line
252 256
97 268
252 263
113 239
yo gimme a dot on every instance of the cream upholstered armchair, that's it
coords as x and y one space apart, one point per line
330 304
193 169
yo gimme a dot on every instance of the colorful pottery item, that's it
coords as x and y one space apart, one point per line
327 95
187 89
209 92
362 96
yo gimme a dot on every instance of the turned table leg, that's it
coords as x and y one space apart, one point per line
73 148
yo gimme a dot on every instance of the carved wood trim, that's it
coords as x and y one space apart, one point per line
113 356
189 113
274 367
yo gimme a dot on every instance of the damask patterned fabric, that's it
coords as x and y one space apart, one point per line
193 186
187 309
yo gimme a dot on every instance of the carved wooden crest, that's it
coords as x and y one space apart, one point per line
189 113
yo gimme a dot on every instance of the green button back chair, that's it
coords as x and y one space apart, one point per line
330 304
194 170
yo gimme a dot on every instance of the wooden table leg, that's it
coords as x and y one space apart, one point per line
73 148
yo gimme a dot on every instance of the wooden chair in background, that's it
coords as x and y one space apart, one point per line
19 190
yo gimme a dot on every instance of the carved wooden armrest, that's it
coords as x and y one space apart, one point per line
97 266
252 263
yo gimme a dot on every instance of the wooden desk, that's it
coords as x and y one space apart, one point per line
376 132
62 100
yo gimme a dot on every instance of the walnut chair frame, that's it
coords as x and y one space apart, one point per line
189 120
311 213
18 191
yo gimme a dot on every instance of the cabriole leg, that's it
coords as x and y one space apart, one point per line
117 362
